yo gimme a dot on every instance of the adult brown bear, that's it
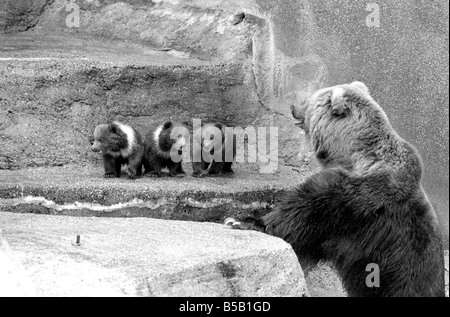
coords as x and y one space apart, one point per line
366 207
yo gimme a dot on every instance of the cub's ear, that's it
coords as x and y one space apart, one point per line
361 86
339 105
167 125
219 126
113 127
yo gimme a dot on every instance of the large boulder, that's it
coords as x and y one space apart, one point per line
149 257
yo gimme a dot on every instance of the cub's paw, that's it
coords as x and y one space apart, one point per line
110 175
198 175
153 175
234 224
130 174
228 173
178 174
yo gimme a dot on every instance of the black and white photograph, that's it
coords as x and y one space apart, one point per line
224 153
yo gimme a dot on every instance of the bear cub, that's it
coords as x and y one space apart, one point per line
120 145
214 151
163 148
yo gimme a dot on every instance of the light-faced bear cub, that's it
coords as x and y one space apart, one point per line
163 148
120 144
214 150
365 211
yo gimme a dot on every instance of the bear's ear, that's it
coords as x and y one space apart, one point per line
167 125
338 102
361 86
219 126
113 127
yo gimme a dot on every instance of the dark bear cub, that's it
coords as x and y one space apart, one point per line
163 149
365 211
120 144
213 150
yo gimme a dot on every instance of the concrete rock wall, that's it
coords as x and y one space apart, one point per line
295 47
208 33
49 122
18 16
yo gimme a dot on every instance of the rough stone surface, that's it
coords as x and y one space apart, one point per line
209 34
18 16
14 280
323 281
149 257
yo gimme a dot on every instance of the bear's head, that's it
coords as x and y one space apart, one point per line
107 138
210 136
343 124
170 134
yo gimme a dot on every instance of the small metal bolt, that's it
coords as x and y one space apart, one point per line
78 241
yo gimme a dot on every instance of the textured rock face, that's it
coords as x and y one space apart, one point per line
149 257
50 102
18 16
206 33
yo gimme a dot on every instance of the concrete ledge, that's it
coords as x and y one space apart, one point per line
82 191
149 257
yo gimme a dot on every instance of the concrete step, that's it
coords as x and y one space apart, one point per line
82 191
41 47
55 89
141 257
